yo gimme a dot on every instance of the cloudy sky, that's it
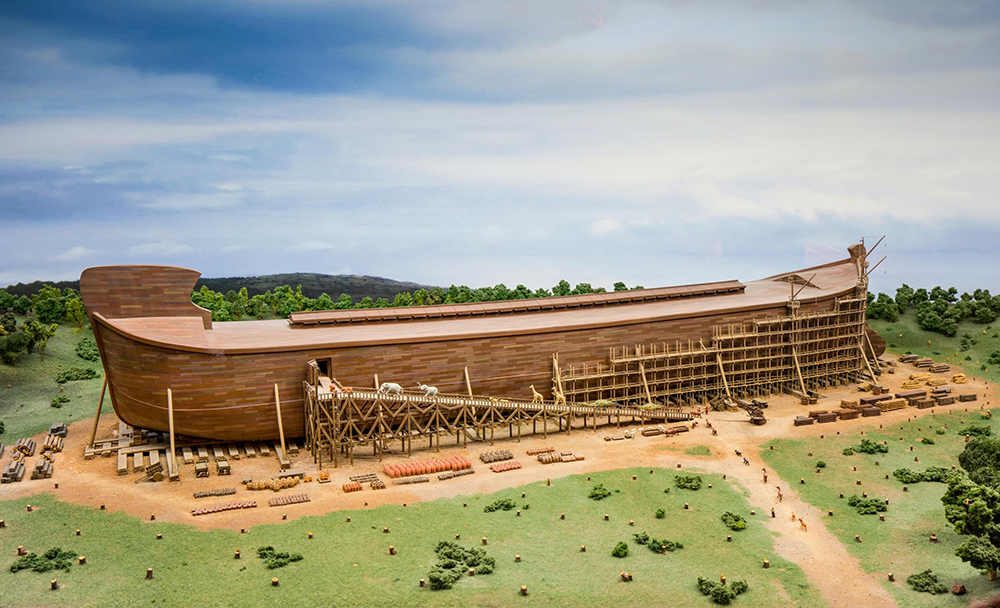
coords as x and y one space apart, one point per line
517 141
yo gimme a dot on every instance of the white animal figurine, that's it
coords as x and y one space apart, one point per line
560 398
429 391
390 388
536 397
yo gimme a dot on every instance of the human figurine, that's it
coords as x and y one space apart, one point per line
772 512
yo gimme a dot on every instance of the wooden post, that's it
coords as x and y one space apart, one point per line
725 383
468 383
798 370
97 418
281 428
864 358
171 455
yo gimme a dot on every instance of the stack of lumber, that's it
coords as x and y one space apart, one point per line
58 429
923 362
967 397
219 492
423 467
936 382
923 404
377 484
231 506
14 471
910 385
52 443
538 451
944 399
847 414
804 420
892 404
553 457
827 417
850 404
920 377
817 413
365 478
453 474
940 390
908 358
912 395
959 379
409 480
351 487
869 400
940 368
25 446
496 456
42 470
502 467
871 411
878 389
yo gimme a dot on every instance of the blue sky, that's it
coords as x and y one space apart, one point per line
523 142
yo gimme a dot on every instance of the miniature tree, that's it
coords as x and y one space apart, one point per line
620 550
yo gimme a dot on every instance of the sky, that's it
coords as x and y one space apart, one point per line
476 142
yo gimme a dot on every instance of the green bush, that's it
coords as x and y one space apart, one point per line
641 538
58 402
908 475
722 594
599 492
867 506
820 464
872 447
927 582
662 546
734 521
688 482
76 373
503 504
53 559
939 432
660 514
927 441
86 348
452 560
848 451
976 430
1 427
276 559
620 550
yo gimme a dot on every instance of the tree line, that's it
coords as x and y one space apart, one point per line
939 310
43 311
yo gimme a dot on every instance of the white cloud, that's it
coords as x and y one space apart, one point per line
160 248
74 253
312 245
188 202
605 226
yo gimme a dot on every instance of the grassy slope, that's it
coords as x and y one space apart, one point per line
899 545
347 563
25 407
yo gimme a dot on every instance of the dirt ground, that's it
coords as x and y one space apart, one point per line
817 552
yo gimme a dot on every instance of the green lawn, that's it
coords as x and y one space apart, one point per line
901 543
348 563
25 407
698 450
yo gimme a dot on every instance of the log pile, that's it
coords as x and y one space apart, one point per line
554 457
25 447
294 499
231 506
923 404
452 474
536 452
351 487
804 420
967 397
959 379
52 443
869 400
940 368
923 362
219 492
366 478
424 467
496 456
377 484
278 483
409 480
908 358
502 467
944 399
871 411
42 470
920 377
846 414
936 382
892 405
14 471
850 403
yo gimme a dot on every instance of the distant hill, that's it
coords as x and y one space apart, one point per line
313 285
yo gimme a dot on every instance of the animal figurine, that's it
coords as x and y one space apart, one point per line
429 391
536 397
390 388
560 398
803 524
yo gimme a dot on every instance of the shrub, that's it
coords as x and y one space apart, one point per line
927 582
58 402
908 476
276 559
660 514
86 348
722 594
734 521
927 441
599 492
867 506
848 451
53 559
1 427
976 430
939 432
688 482
872 447
641 538
820 464
450 556
503 504
525 507
662 546
620 550
76 373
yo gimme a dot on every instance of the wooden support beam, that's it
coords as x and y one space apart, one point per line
468 383
281 427
864 358
97 417
798 370
645 385
722 372
172 473
872 350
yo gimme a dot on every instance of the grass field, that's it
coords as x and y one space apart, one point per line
901 543
25 407
348 564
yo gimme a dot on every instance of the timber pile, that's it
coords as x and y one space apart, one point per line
850 404
923 404
229 506
453 474
847 414
920 377
817 413
424 467
536 452
923 362
910 385
804 420
870 411
409 480
940 390
868 400
936 382
351 487
219 492
377 484
42 470
294 499
496 456
911 395
967 397
944 399
14 471
940 368
959 379
878 389
366 478
278 483
200 468
25 447
892 405
554 457
908 358
502 467
52 443
827 417
58 429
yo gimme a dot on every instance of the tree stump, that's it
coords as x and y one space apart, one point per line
729 538
310 534
767 564
78 533
471 572
686 506
524 590
274 582
517 558
484 541
934 538
385 530
891 577
149 573
159 537
857 538
562 516
423 582
583 548
722 579
55 584
392 550
607 517
30 509
237 554
21 551
81 560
